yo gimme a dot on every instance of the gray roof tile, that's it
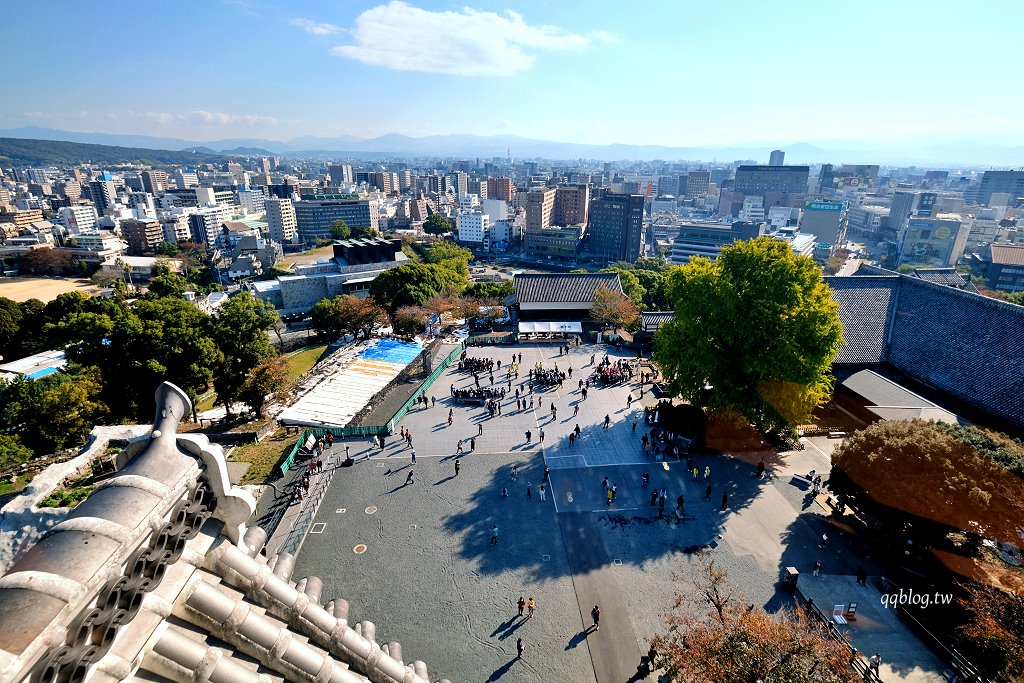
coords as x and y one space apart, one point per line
574 288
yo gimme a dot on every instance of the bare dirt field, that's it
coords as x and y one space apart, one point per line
42 288
311 256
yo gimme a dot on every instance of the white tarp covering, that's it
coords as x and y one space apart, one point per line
543 327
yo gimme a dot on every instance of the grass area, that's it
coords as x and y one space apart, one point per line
309 256
264 456
70 496
302 360
8 487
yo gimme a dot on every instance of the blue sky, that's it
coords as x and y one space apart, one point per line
675 73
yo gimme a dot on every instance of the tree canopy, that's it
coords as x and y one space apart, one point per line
755 331
171 285
414 283
50 413
240 329
436 224
340 230
931 475
613 309
451 256
716 636
346 314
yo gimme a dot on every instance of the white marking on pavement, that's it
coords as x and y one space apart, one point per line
317 528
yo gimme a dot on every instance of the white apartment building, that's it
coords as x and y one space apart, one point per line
79 218
753 210
281 222
252 201
175 224
496 209
474 227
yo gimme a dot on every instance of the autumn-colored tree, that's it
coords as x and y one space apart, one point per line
995 633
409 320
346 314
613 309
263 383
754 331
925 473
44 261
714 636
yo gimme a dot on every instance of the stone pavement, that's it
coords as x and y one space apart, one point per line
417 560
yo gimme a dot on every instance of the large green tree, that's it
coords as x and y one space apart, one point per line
436 224
754 331
240 332
451 256
414 283
340 230
346 314
12 451
168 285
52 412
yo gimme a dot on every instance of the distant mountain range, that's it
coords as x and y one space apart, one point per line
922 151
30 152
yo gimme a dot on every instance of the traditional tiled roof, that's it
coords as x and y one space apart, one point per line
882 391
941 276
574 288
651 321
156 577
864 307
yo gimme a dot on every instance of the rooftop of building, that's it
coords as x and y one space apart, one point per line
1008 254
562 287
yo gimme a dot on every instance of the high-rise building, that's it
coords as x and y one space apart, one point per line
697 184
777 158
906 205
761 180
616 226
205 223
999 182
473 227
384 181
479 188
824 220
539 203
667 185
281 221
934 241
154 182
458 183
78 218
104 194
316 213
572 205
141 235
501 188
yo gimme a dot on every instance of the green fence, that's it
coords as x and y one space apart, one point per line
488 340
371 430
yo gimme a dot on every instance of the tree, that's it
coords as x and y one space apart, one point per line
933 479
436 224
263 382
10 323
52 412
489 290
45 261
755 331
653 283
340 230
171 285
414 283
995 632
727 640
630 284
359 317
613 309
12 452
409 320
240 332
365 231
168 249
324 319
1016 298
451 256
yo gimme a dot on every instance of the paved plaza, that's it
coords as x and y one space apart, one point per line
417 558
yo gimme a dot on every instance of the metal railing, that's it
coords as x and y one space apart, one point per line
859 664
310 505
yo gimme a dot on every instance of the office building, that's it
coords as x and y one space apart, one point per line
539 204
473 228
826 221
281 222
777 158
478 188
458 183
501 188
937 241
697 184
253 201
707 239
615 230
142 235
22 219
906 205
341 174
1000 182
204 224
384 181
867 220
1005 267
316 213
561 244
104 195
78 218
572 205
762 180
154 182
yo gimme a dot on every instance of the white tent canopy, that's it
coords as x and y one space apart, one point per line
547 328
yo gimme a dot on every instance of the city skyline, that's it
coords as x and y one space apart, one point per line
698 75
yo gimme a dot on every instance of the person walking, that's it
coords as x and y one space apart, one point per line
541 434
760 469
409 478
529 490
707 493
646 479
654 497
681 503
472 445
530 607
862 576
824 540
529 436
607 421
707 472
725 500
521 604
595 614
515 472
604 484
661 507
458 446
480 429
876 662
615 491
520 648
457 468
609 495
414 457
541 489
695 473
817 568
494 534
547 473
576 410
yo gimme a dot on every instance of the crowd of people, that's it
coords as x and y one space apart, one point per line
483 394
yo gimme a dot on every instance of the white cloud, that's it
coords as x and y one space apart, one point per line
214 118
465 43
314 27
